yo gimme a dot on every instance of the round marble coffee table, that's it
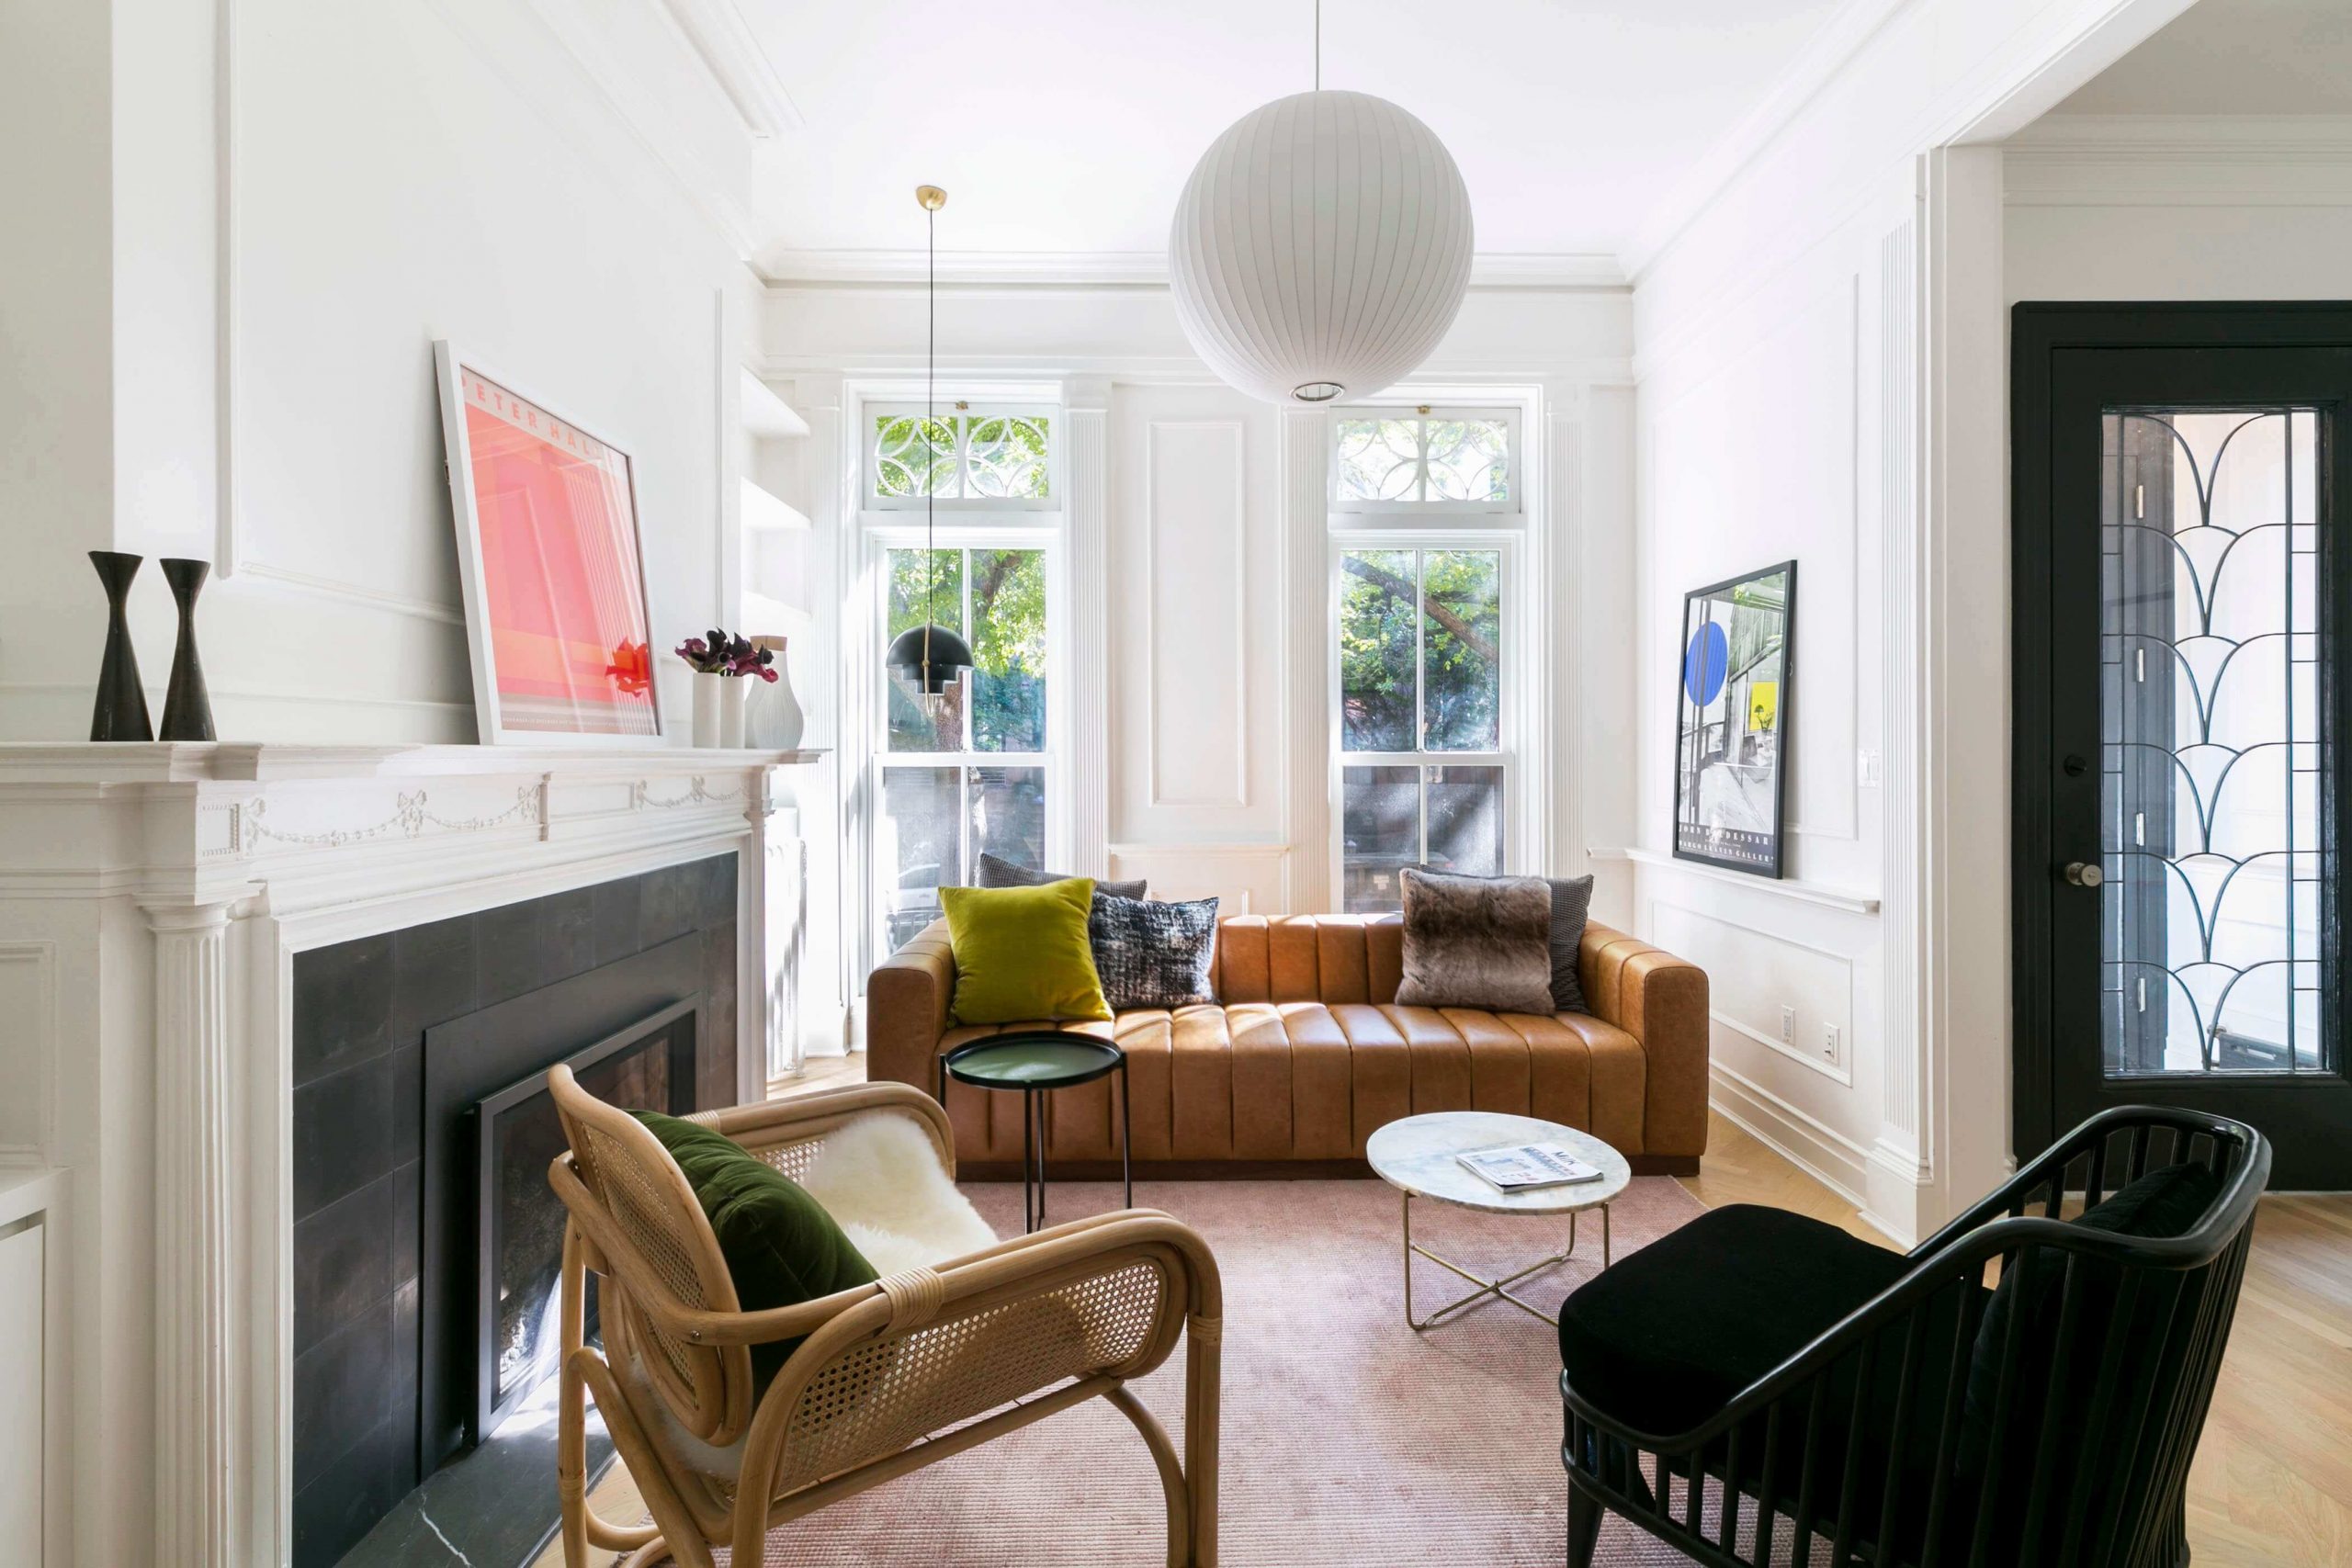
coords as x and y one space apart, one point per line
1416 1157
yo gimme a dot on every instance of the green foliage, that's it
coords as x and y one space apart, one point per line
1007 692
1456 595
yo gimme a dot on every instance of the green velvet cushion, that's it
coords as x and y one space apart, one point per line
1023 954
781 1247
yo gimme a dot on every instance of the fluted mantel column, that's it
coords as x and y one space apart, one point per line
197 1459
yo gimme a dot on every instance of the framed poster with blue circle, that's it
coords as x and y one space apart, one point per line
1730 763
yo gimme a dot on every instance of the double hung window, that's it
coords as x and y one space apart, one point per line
1425 531
972 771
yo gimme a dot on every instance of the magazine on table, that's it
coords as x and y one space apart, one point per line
1522 1168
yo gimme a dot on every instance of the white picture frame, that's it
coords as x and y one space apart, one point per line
508 712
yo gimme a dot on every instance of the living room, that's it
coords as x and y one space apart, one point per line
853 743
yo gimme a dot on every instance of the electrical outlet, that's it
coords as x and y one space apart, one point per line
1829 1041
1788 1026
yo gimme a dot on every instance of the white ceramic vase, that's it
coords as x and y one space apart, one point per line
775 721
732 690
708 687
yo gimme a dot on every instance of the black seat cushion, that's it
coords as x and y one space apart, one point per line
1663 1340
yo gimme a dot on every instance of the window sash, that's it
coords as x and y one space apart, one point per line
1416 513
899 533
1504 757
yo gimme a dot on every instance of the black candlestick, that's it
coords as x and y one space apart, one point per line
188 706
121 710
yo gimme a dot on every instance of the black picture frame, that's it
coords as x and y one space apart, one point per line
1732 633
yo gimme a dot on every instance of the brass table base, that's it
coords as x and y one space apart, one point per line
1500 1289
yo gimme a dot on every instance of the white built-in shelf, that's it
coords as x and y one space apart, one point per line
763 509
767 415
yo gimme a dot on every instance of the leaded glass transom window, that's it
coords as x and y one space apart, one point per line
1409 460
988 458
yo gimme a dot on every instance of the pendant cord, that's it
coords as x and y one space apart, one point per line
929 454
1319 45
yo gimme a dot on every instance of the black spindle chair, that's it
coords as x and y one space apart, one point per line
1753 1387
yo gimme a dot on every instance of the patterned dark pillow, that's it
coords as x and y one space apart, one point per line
997 872
1153 955
1571 907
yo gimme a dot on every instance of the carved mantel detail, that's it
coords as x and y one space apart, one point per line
177 881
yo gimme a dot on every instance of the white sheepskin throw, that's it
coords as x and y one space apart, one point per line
879 1176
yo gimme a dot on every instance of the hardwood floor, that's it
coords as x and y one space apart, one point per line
2272 1484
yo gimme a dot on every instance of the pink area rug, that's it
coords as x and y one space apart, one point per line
1349 1439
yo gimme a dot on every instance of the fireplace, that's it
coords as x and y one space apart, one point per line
410 1049
519 1222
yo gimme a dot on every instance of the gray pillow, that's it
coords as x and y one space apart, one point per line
1153 955
1571 905
1477 941
997 872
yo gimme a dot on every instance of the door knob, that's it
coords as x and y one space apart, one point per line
2084 875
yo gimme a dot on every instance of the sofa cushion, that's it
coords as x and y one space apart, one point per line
1023 952
1153 954
1476 941
1663 1339
997 872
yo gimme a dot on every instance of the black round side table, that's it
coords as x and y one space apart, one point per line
1033 1064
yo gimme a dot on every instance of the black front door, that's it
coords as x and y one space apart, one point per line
2181 589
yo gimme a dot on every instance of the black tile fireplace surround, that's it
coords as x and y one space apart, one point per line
602 955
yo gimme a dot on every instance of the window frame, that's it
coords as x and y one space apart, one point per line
881 539
1520 530
1508 754
1413 514
870 498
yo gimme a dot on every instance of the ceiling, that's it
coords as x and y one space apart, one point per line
2233 57
1066 128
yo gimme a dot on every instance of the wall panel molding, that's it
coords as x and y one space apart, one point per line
27 1093
1161 619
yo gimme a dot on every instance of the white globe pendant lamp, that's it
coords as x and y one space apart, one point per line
1321 248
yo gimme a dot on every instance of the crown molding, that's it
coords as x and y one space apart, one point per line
723 40
1132 270
2278 138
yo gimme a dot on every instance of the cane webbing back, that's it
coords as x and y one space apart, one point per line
708 1388
881 1395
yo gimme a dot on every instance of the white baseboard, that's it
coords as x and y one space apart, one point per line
1821 1152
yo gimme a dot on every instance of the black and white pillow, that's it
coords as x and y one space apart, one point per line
1153 955
997 872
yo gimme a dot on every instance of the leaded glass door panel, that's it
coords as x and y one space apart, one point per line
2179 808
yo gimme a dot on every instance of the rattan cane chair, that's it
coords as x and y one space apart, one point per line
888 1377
1900 1429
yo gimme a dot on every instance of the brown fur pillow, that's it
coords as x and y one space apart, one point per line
1477 941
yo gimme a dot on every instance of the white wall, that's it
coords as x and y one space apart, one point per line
2157 207
1209 535
282 260
1819 359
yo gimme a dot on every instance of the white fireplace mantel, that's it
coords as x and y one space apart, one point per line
152 899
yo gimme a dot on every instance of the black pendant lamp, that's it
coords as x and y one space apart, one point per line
930 659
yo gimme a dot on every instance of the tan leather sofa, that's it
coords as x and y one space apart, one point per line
1307 1053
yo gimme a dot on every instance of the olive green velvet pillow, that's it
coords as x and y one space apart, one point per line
781 1247
1024 953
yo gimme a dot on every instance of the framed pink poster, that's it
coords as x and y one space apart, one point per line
554 579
